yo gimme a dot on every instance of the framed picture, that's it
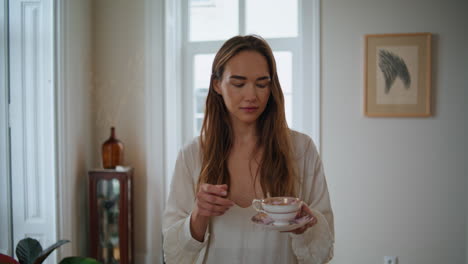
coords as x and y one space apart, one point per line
398 75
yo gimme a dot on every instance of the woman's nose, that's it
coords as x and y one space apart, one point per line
250 92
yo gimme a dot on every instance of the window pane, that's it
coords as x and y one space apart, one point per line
216 20
272 18
200 98
284 68
201 82
198 125
201 3
202 70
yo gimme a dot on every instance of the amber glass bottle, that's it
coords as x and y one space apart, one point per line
112 152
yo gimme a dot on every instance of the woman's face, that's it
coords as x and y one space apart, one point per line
245 86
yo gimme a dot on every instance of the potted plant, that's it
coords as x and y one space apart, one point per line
29 251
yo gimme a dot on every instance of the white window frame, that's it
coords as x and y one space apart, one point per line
179 57
157 111
6 244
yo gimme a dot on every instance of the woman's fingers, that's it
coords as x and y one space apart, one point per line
212 208
220 190
210 201
305 210
204 212
214 203
297 231
313 222
215 200
300 230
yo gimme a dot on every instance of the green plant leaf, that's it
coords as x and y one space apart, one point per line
28 250
46 252
79 260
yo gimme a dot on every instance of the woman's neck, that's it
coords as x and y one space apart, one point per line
244 133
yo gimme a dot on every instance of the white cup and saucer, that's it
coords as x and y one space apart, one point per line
280 209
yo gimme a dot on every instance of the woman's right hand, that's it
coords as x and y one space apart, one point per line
210 201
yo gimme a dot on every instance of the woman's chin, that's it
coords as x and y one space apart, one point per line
250 120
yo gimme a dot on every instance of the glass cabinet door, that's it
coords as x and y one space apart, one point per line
108 204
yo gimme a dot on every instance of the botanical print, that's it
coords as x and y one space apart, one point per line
392 66
397 75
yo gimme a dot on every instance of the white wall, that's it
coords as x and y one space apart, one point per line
398 185
76 93
119 78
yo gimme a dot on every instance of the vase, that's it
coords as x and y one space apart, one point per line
112 152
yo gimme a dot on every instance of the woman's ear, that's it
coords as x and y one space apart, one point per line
216 86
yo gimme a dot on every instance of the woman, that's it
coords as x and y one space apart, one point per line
245 151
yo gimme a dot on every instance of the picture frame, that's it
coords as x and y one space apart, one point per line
397 75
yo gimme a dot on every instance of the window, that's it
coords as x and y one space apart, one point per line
208 25
196 29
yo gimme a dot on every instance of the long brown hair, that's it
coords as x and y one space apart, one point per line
276 166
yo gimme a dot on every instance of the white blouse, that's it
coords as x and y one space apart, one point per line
233 237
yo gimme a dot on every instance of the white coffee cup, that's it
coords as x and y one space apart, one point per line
280 209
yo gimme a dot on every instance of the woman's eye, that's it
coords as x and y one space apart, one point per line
238 84
262 85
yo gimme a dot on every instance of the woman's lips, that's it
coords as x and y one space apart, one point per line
249 109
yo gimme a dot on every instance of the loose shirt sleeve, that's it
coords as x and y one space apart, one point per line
315 245
179 246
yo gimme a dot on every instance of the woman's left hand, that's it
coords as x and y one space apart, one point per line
305 210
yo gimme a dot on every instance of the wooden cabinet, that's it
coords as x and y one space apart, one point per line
110 216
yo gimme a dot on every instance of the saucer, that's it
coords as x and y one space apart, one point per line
264 220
